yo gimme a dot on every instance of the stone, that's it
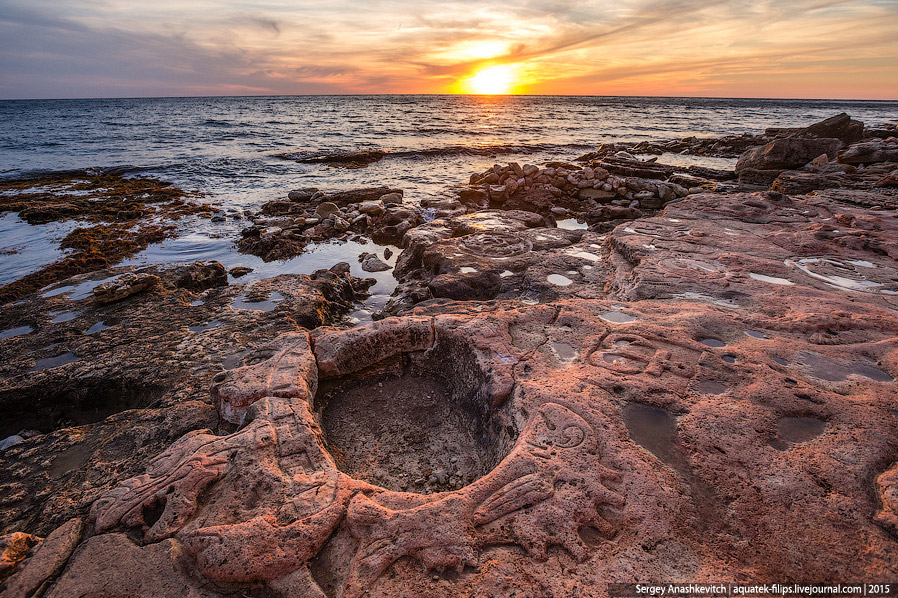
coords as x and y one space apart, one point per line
372 263
392 197
788 152
302 195
15 548
840 126
373 208
124 287
868 152
395 222
238 271
139 383
47 560
474 196
327 210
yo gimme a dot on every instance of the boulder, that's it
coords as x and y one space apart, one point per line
304 194
787 152
372 208
372 263
869 152
327 209
395 222
840 126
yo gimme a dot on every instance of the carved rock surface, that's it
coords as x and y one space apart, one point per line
102 389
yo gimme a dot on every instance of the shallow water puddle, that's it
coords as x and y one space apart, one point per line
207 326
653 429
710 387
467 270
98 327
506 274
713 342
571 224
234 361
559 280
771 279
796 430
585 255
831 370
264 305
847 275
780 360
618 317
757 334
565 351
71 459
52 362
13 332
63 316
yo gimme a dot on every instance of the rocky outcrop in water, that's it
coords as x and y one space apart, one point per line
282 229
118 216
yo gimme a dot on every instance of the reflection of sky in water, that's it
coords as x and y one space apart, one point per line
34 245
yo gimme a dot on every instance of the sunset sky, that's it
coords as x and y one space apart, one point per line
754 48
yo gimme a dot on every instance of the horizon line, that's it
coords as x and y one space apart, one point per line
522 95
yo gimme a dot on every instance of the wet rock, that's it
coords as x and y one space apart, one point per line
327 209
10 441
392 197
788 152
372 208
390 229
372 263
357 196
347 160
238 271
840 126
123 287
491 254
795 182
197 276
121 216
640 394
880 150
302 195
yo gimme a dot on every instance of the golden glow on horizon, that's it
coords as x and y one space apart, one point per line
492 80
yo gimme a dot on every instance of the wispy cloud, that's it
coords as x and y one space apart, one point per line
78 48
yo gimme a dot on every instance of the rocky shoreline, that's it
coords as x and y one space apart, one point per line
603 370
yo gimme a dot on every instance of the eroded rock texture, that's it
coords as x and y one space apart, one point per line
96 389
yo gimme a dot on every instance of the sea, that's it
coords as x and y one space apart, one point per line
241 152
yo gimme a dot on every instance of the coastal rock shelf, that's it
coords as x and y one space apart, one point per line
704 389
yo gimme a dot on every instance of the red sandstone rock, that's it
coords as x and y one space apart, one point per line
709 396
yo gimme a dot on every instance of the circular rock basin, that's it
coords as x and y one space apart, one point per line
408 428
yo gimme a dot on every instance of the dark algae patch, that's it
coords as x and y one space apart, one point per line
122 217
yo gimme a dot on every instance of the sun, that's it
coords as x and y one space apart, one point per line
492 80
